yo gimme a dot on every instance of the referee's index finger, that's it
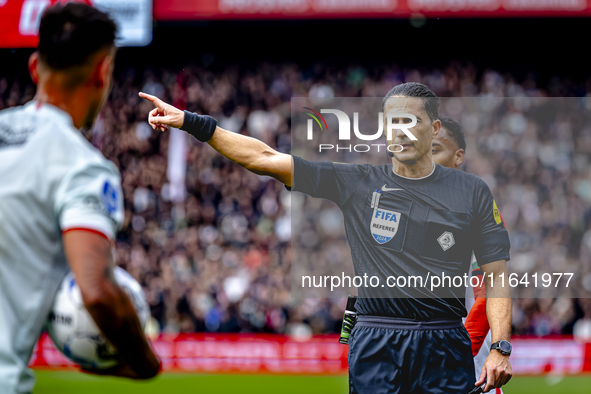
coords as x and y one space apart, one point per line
151 98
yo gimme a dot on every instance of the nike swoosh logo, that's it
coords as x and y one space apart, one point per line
387 189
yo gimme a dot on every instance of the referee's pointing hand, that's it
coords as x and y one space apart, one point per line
164 114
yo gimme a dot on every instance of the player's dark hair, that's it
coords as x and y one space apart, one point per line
69 34
454 130
415 89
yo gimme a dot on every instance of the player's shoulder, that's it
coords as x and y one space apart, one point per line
7 113
53 144
15 123
75 144
84 157
59 137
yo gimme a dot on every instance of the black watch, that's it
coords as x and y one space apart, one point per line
504 347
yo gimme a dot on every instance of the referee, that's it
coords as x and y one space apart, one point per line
405 340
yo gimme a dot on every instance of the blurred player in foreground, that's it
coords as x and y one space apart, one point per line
405 340
448 149
60 199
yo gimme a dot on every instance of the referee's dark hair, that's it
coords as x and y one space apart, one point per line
454 130
69 34
415 89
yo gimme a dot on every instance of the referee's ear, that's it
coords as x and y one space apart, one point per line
459 157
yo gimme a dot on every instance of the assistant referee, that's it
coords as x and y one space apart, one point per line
405 340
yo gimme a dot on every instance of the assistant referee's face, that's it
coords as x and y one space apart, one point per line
408 151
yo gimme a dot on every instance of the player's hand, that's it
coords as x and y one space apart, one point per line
496 371
164 114
125 371
120 371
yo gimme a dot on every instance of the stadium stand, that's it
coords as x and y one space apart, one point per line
219 261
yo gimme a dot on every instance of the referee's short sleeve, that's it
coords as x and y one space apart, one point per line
325 179
491 240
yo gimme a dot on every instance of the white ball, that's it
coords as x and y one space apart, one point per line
75 333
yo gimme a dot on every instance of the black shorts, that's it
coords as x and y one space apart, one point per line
398 356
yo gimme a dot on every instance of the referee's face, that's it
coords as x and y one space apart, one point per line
408 151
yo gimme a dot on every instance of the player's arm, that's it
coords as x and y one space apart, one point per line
497 369
477 324
90 257
248 152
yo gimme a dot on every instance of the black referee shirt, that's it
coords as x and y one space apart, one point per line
420 227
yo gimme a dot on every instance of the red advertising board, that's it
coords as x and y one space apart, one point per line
245 353
19 20
322 354
333 9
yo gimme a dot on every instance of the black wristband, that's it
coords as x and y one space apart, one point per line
201 127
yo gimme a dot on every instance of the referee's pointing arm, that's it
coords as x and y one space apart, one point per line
248 152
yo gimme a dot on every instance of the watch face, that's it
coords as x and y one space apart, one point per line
505 346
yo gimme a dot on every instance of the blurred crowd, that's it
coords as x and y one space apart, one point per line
218 259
